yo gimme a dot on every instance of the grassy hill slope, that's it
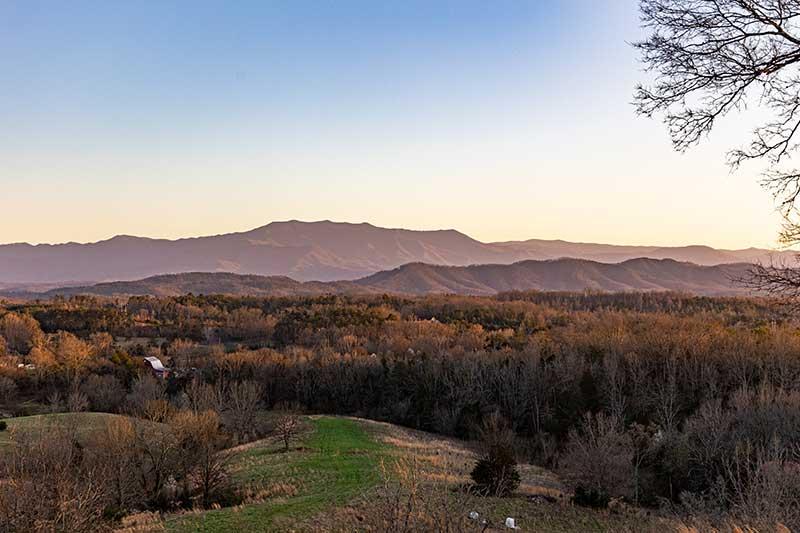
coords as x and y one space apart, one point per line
332 480
337 461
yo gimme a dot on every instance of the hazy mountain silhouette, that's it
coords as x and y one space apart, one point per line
420 278
562 275
305 251
205 283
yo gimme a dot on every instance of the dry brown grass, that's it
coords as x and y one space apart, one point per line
141 523
452 459
267 492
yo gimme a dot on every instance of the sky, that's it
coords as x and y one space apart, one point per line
505 120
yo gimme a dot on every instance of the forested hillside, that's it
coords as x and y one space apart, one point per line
678 396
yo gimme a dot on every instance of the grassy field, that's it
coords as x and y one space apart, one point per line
83 423
336 462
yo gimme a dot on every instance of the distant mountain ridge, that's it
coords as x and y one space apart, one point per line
421 278
204 283
563 275
306 251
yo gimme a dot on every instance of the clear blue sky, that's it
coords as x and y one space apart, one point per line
506 120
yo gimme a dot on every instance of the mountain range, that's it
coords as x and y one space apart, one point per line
313 251
419 278
640 274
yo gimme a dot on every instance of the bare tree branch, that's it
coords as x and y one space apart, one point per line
711 57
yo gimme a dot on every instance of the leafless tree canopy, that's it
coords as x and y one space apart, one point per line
780 281
711 57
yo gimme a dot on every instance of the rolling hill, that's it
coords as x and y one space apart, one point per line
306 251
562 275
206 283
421 278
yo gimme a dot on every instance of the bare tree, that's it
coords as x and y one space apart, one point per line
77 401
244 398
712 57
202 396
8 390
287 427
642 440
102 343
408 500
666 396
55 402
21 332
146 396
779 280
50 484
201 442
614 387
71 354
155 461
763 484
105 393
598 460
116 447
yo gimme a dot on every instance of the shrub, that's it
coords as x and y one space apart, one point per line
590 497
3 425
495 473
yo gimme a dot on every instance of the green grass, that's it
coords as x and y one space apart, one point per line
337 461
83 423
